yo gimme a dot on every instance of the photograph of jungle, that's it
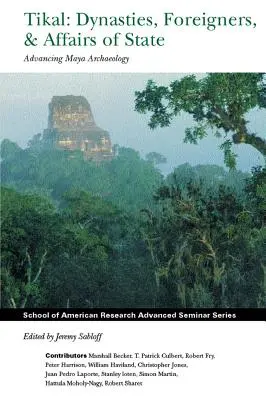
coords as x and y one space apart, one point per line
133 190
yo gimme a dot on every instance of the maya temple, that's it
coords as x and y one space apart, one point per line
71 126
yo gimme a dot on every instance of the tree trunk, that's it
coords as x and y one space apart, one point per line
248 138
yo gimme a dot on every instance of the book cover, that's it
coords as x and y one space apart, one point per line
132 200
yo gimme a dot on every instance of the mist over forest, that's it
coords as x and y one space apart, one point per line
119 233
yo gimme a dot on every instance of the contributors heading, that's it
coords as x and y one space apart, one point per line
88 28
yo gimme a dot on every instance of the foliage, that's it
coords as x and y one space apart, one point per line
29 233
219 101
118 234
156 158
127 180
9 149
209 177
77 256
208 250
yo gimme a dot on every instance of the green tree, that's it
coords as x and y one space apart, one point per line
207 249
219 101
9 149
30 234
156 158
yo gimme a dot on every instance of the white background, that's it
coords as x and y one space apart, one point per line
228 49
238 371
240 347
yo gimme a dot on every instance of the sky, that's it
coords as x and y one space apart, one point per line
24 100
